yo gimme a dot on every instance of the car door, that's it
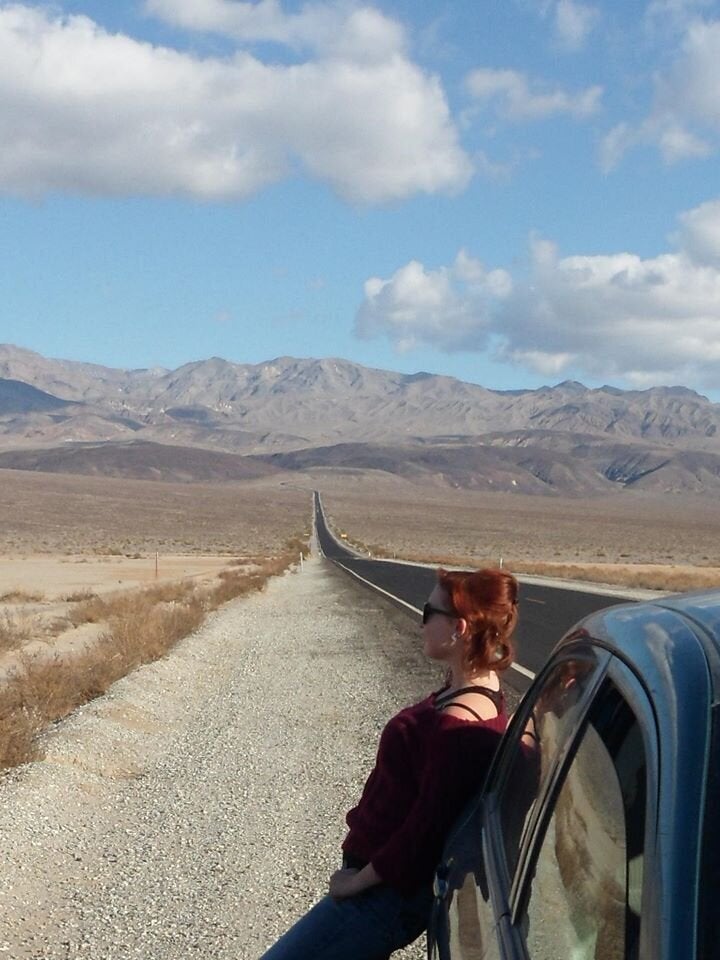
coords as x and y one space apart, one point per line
475 878
578 890
550 862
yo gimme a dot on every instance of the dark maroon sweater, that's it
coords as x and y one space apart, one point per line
428 765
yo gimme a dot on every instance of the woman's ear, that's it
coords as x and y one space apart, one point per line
461 626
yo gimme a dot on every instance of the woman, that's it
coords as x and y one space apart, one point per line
432 757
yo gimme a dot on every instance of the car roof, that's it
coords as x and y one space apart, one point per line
643 633
703 607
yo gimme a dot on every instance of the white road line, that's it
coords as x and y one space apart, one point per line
523 670
513 666
379 589
533 600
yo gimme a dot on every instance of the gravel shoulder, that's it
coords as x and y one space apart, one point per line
197 809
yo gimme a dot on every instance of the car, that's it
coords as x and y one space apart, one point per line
596 835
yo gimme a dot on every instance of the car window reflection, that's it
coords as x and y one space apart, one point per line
549 726
584 898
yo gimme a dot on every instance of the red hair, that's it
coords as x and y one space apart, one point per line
487 600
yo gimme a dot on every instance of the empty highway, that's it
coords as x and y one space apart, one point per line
546 613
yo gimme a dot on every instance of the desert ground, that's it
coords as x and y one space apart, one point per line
38 594
56 578
639 539
61 535
43 513
65 540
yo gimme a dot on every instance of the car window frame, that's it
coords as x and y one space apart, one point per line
624 680
500 884
708 921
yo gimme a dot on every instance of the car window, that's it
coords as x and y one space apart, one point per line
710 870
546 728
583 898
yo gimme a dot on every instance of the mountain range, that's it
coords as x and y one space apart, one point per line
217 420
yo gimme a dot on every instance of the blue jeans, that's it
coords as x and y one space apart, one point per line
368 926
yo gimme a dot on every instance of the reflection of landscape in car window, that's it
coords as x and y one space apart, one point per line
576 907
550 724
466 932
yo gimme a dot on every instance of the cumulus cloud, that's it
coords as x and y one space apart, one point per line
646 320
684 121
572 21
516 98
448 307
355 32
700 233
655 319
85 111
669 15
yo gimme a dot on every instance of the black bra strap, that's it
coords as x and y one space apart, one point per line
496 696
464 706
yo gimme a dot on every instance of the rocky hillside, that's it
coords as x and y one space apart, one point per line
295 414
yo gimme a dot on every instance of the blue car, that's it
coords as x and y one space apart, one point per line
597 833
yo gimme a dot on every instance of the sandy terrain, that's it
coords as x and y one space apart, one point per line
627 528
65 537
51 513
106 522
53 577
642 541
38 594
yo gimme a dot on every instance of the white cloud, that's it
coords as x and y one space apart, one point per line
85 111
617 315
491 169
700 233
517 99
441 307
684 121
647 320
671 15
573 22
342 29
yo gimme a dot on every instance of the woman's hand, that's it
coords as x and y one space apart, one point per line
343 883
350 882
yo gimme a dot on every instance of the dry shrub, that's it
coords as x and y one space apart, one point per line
146 630
92 610
22 596
174 591
659 577
19 723
236 583
79 595
297 546
673 579
14 632
99 609
141 627
54 627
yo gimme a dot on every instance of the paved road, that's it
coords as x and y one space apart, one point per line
546 613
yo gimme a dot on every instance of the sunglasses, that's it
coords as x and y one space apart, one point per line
428 610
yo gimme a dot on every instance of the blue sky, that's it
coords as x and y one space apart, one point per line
513 192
